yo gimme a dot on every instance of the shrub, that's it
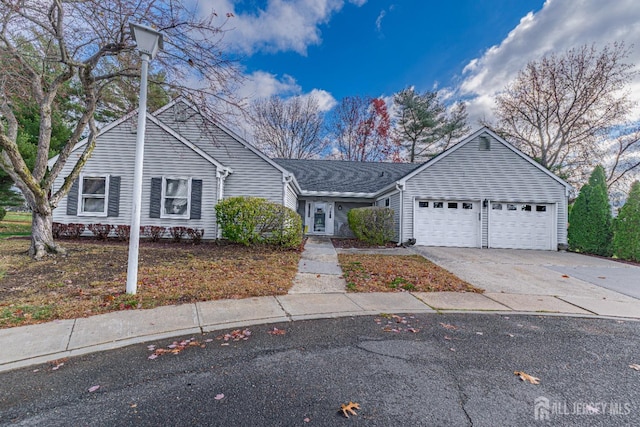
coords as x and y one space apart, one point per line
373 224
590 220
251 220
58 230
100 231
195 234
123 232
74 231
3 212
177 233
626 237
153 232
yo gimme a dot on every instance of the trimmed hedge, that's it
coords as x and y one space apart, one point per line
372 224
590 228
251 220
626 238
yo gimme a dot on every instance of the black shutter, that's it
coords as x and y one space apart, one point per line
156 195
114 196
72 199
196 198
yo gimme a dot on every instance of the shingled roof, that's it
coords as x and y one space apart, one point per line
344 176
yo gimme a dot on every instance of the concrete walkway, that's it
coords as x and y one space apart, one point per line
318 269
318 293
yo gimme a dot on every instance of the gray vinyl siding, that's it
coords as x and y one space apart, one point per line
114 155
394 203
252 175
497 174
290 198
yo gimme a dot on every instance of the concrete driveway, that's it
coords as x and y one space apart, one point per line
581 280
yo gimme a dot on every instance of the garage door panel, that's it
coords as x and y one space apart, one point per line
528 226
447 223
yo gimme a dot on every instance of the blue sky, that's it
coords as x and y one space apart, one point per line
468 49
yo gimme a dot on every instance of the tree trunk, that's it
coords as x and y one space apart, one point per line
41 234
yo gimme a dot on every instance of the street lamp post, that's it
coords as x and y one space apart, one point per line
148 42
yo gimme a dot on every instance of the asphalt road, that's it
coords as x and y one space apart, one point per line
455 370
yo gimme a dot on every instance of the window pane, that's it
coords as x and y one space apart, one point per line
93 205
176 188
496 206
452 205
526 208
93 185
175 206
511 207
423 204
437 204
467 206
541 208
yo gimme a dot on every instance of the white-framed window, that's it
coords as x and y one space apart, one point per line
176 197
93 195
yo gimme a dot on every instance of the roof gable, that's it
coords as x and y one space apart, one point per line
470 138
158 123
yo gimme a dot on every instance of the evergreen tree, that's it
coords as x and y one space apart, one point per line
626 237
590 229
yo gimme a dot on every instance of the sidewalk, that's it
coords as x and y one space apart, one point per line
318 293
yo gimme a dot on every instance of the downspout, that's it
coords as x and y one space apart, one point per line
400 188
221 175
286 180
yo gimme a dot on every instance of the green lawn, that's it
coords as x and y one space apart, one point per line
15 224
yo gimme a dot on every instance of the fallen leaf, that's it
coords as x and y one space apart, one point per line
133 405
276 331
479 333
219 396
452 349
511 335
306 420
564 276
449 326
601 277
152 356
526 377
93 388
635 366
349 408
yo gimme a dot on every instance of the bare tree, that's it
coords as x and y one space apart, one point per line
560 109
424 126
623 157
361 130
49 45
289 129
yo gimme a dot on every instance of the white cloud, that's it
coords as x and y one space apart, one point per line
379 19
326 101
261 84
559 26
280 26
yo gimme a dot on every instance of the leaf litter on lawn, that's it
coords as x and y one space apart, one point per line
398 273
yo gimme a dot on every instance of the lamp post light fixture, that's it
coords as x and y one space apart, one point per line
148 42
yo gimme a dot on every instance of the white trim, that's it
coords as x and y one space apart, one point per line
80 210
163 196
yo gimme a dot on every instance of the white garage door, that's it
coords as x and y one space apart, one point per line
447 223
521 225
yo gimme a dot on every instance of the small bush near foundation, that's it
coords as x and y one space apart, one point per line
100 231
251 220
153 232
373 224
195 234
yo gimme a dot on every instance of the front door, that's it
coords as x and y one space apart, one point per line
321 218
